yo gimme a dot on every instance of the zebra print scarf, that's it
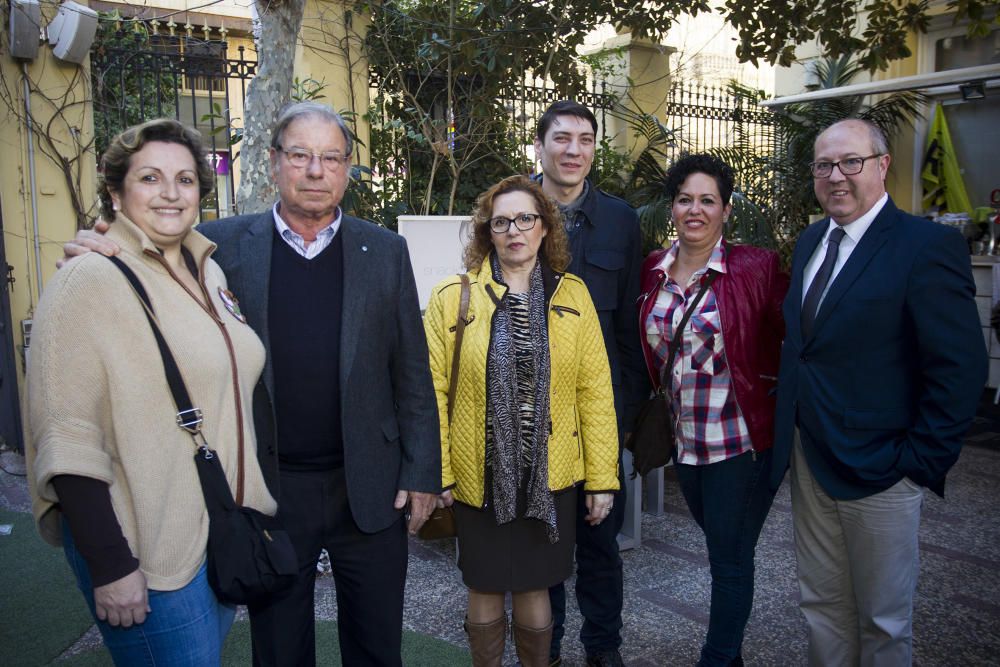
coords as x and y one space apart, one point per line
502 407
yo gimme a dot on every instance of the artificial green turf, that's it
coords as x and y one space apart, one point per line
418 650
42 612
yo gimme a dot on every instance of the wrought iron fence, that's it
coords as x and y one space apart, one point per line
139 78
415 153
526 103
707 117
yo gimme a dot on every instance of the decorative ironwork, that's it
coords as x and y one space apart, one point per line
526 103
707 117
139 75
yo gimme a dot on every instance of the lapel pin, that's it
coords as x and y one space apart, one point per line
232 304
364 248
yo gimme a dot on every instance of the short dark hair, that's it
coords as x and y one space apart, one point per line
563 108
555 247
293 112
118 157
700 163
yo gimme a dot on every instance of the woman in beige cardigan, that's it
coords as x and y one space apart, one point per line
112 476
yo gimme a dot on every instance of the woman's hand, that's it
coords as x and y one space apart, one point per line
123 602
445 499
598 507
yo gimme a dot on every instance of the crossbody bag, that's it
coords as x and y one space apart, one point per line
249 555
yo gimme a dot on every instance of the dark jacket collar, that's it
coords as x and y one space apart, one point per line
588 206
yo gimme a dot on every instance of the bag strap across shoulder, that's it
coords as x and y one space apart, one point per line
463 312
675 343
188 417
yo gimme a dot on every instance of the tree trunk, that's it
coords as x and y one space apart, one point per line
268 92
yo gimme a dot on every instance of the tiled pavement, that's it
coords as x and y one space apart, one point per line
957 609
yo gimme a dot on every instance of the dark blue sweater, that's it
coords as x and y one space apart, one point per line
304 321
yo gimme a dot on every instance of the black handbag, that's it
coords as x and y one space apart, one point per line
652 441
441 523
249 555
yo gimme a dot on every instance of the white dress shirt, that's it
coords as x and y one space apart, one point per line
298 244
852 237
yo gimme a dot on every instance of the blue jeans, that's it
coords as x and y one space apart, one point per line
730 501
186 628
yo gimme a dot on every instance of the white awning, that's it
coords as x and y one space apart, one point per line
931 83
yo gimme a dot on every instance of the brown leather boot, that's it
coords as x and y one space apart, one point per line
486 641
533 645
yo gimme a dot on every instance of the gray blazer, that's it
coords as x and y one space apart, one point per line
389 412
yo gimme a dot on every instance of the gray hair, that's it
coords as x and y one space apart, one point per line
297 110
875 133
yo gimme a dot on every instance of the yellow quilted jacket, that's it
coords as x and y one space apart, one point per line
583 445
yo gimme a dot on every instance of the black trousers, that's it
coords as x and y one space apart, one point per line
369 572
599 580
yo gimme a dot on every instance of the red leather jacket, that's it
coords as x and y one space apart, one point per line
749 294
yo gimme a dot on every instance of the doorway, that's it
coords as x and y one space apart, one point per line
10 411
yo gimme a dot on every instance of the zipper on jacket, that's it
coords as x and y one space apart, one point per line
565 309
209 308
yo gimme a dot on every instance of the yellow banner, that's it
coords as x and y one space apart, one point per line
941 178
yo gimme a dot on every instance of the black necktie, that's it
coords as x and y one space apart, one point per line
811 303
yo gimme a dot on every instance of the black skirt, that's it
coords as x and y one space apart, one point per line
516 556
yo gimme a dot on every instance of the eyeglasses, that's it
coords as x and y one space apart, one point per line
300 158
848 167
523 221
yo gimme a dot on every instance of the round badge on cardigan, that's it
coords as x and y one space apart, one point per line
232 304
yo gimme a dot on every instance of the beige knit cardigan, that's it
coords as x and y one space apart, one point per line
98 404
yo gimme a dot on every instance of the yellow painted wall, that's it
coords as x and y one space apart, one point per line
59 85
151 8
640 76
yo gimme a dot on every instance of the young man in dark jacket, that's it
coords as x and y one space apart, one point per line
606 248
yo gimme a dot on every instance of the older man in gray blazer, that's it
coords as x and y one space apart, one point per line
347 424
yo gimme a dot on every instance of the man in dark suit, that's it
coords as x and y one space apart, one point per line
346 419
882 368
606 246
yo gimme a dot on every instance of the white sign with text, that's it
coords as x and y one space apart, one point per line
436 243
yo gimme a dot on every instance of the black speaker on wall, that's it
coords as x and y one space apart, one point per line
25 29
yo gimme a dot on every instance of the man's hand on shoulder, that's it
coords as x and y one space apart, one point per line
89 240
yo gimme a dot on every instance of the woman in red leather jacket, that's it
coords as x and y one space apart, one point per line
721 382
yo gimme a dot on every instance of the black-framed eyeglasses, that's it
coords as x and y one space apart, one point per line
523 221
848 166
300 157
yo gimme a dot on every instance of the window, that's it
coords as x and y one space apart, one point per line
975 132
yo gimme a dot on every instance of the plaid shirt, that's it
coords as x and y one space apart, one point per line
710 427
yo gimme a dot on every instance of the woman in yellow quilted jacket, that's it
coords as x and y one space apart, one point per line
531 421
